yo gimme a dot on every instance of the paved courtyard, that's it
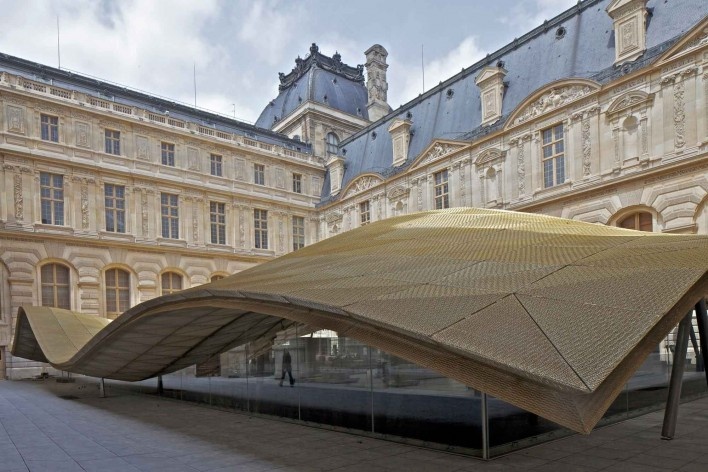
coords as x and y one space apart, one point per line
41 431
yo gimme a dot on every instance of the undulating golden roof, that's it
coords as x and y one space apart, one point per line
548 314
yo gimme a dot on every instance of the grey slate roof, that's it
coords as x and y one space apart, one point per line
532 61
320 79
115 93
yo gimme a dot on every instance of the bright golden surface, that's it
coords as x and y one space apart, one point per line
548 314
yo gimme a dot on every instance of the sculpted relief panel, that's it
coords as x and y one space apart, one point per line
556 97
15 119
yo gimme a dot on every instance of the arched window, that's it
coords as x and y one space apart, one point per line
55 286
216 277
171 282
332 143
640 221
117 291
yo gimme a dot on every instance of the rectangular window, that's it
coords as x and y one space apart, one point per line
297 183
364 213
298 232
168 154
115 208
117 291
442 191
258 174
169 204
216 165
113 142
553 156
260 227
50 128
51 188
217 216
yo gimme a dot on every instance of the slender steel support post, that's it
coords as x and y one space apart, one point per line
160 387
696 349
672 403
485 427
702 318
102 388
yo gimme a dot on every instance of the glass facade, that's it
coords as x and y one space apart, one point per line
343 384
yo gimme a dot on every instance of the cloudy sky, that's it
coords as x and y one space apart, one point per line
239 46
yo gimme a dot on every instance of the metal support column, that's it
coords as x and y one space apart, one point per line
102 388
702 318
485 427
679 360
160 388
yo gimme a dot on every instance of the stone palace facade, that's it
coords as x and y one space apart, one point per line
110 197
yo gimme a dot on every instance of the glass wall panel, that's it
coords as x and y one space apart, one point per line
412 403
273 371
334 381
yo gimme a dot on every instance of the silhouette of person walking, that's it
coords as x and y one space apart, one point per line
287 367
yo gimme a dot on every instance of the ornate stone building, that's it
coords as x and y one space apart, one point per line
598 115
110 197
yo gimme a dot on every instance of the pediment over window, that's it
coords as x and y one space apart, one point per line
437 150
398 193
361 183
694 40
551 97
489 155
630 100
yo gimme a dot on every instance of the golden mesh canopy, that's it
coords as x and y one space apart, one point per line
548 314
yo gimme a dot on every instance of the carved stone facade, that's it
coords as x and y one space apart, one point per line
79 228
629 17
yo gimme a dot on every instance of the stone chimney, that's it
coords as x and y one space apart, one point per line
376 83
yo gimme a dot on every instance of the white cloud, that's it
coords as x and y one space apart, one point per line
438 69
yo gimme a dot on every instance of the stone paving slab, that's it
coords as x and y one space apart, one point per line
41 431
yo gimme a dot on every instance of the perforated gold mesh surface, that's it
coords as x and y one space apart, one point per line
551 315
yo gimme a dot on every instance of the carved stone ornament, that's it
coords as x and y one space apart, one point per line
439 150
629 100
142 146
489 155
587 145
398 193
83 130
144 212
193 158
333 217
700 40
555 98
15 119
361 184
240 168
19 203
679 115
521 167
84 207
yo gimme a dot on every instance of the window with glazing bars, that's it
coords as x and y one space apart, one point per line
117 291
260 228
298 232
169 209
364 213
553 156
332 143
112 142
171 282
297 183
258 174
168 154
442 194
640 221
55 286
51 189
216 165
49 128
217 216
114 196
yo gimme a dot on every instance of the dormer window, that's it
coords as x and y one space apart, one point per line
630 25
491 85
332 143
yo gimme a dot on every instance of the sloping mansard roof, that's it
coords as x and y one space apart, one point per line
452 110
321 79
118 94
